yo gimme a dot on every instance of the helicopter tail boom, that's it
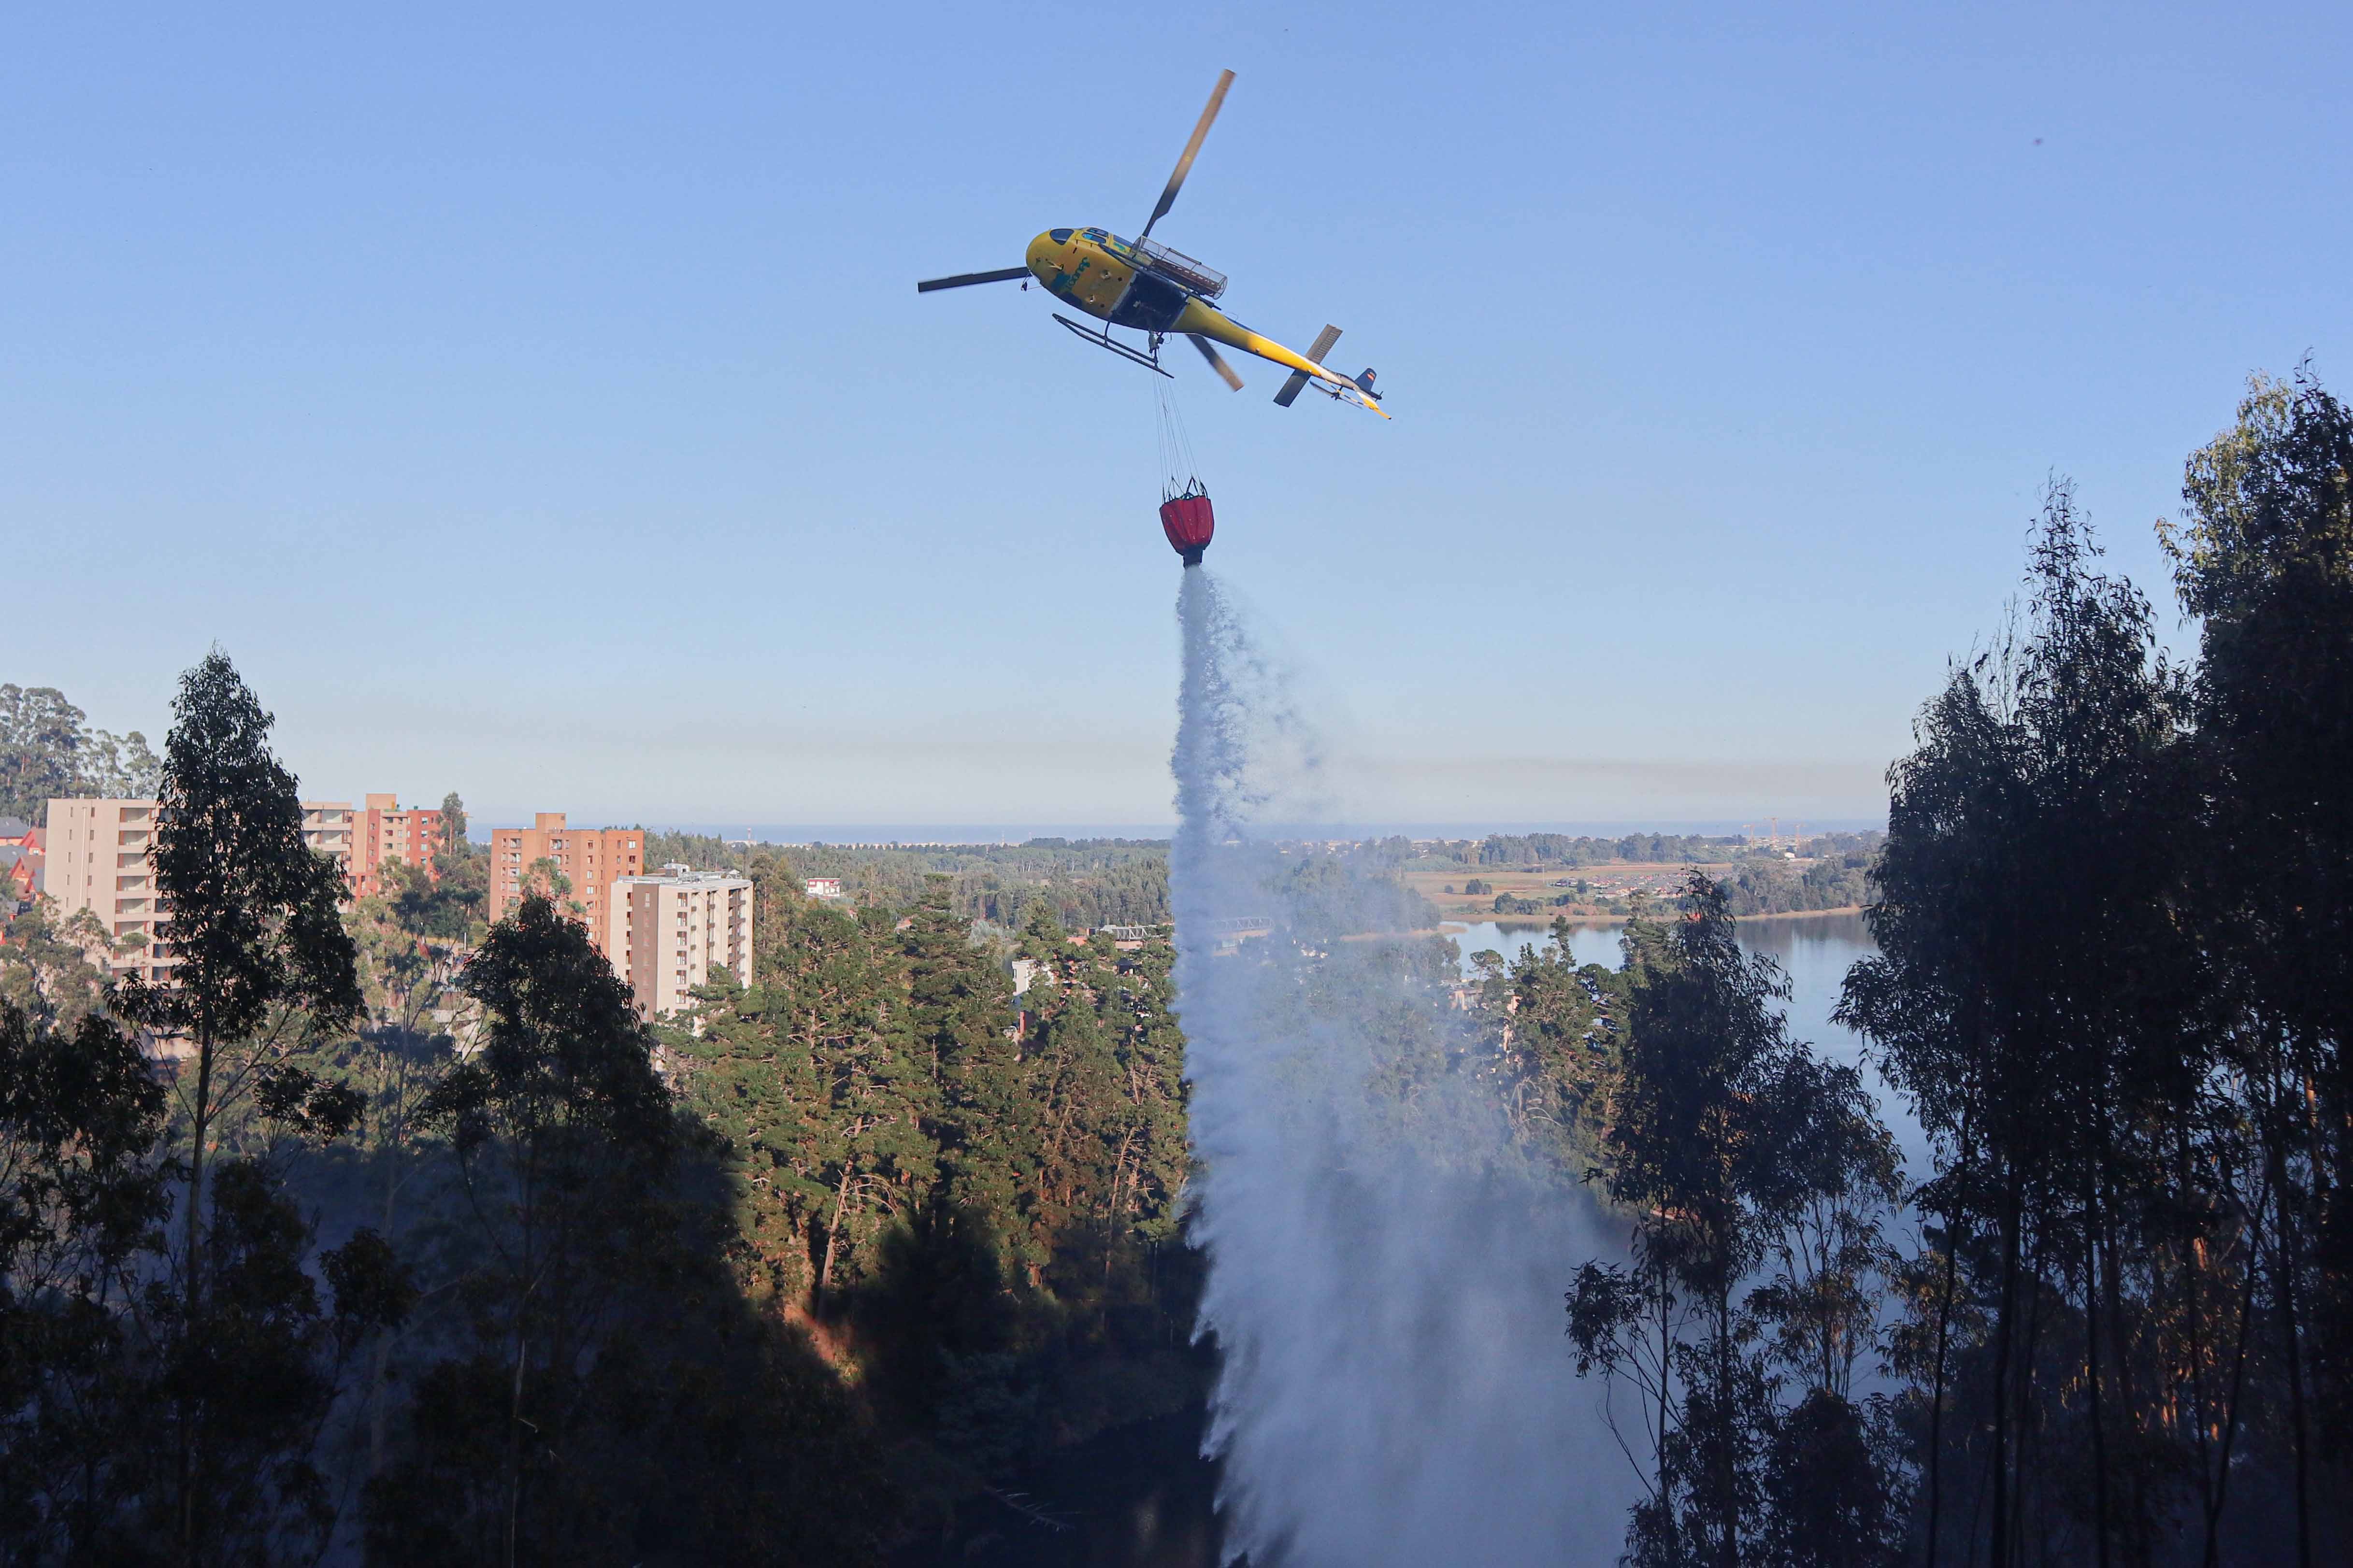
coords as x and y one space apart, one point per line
1200 320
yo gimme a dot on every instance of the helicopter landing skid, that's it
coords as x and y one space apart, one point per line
1103 340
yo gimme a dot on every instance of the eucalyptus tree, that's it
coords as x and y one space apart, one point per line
2041 1000
47 749
2265 560
262 965
1733 1148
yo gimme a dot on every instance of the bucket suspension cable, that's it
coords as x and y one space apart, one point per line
1185 512
1179 474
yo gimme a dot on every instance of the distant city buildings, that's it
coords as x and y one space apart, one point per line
589 860
662 933
382 835
670 928
824 887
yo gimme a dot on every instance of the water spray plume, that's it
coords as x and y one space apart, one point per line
1387 1258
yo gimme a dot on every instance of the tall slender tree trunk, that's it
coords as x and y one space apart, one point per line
2127 1401
380 1361
1666 1375
832 1240
2092 1317
2211 1557
2190 1264
1727 1500
1999 1554
2286 1265
1944 1341
193 1295
514 1451
2026 1431
1937 1405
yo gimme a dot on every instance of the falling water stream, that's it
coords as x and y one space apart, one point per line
1386 1266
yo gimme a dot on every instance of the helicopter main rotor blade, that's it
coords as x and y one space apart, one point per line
1185 164
966 279
1217 361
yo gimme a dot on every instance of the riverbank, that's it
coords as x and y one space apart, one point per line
1543 922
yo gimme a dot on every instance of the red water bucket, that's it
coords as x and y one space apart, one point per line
1188 522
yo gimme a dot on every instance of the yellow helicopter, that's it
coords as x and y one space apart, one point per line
1143 285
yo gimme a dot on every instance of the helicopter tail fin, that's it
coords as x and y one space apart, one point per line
1297 382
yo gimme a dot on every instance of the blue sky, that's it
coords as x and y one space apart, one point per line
535 401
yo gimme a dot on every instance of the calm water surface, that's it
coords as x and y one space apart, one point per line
1814 951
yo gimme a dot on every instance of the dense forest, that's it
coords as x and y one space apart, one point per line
387 1236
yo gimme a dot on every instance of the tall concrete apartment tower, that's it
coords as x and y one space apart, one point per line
98 861
669 930
327 829
590 858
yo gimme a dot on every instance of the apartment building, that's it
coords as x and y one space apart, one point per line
590 858
327 829
382 833
98 861
670 928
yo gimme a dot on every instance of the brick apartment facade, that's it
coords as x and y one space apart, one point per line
591 859
382 833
